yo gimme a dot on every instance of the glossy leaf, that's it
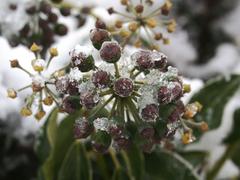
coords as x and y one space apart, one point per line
161 165
76 165
214 96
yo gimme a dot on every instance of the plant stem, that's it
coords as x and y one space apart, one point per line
117 74
114 158
220 162
125 157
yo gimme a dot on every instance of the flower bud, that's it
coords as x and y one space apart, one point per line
150 112
38 65
110 52
124 2
133 26
89 99
101 79
48 101
53 52
31 10
160 60
116 130
35 48
139 8
152 23
12 93
98 36
187 137
70 104
204 127
118 24
82 128
158 36
40 114
166 8
101 141
143 59
25 111
14 63
123 87
177 112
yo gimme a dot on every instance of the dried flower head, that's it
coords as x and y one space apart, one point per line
140 24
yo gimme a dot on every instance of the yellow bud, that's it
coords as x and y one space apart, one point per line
186 88
152 23
166 7
124 2
190 111
40 115
166 41
25 111
12 93
155 47
199 106
118 24
53 52
187 138
48 101
59 73
124 33
204 126
133 26
38 65
35 48
158 36
138 43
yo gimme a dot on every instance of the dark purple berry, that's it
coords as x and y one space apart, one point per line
147 132
160 60
52 17
81 20
110 10
89 99
150 112
116 130
25 30
70 104
98 36
82 128
65 11
164 95
121 142
100 24
31 10
110 52
45 7
61 29
72 88
177 112
13 7
143 59
101 79
123 87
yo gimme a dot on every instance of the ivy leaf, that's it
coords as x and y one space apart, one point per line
162 165
43 144
76 165
214 96
134 160
235 133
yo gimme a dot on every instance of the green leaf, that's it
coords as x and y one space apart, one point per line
63 139
162 166
194 157
214 96
76 165
120 174
43 144
134 161
235 133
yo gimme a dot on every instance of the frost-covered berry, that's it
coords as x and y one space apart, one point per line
110 52
89 99
116 130
38 83
123 87
61 84
101 141
101 79
81 57
143 59
121 142
70 104
98 36
101 124
164 95
159 59
82 128
146 131
100 24
150 112
177 112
